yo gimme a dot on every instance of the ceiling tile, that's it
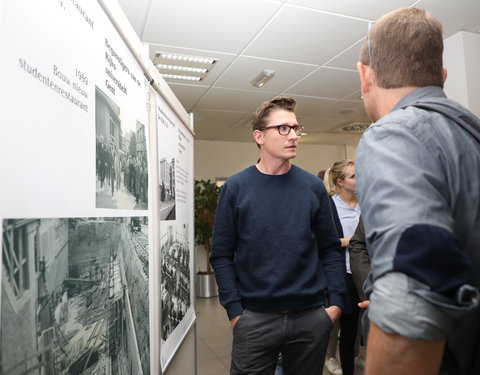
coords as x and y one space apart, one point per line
368 9
454 15
347 109
237 135
208 133
301 35
233 100
327 83
216 25
313 45
244 69
307 105
188 94
224 134
331 139
347 59
223 119
136 12
315 124
356 95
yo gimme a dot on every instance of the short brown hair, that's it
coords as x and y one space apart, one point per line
406 48
279 102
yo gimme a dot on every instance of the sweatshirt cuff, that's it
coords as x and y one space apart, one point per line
335 300
234 310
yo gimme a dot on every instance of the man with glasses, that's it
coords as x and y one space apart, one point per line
419 188
276 254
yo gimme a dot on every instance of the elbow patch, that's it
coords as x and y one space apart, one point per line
433 256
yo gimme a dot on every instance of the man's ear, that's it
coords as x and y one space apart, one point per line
258 136
444 74
366 77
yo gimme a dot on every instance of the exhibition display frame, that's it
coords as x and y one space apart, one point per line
87 253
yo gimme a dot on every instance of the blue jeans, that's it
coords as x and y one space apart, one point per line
300 336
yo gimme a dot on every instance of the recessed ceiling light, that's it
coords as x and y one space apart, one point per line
263 77
187 58
177 76
182 68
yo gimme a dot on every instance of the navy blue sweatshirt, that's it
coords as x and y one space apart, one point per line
274 243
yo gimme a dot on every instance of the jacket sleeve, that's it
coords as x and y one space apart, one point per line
330 253
359 259
222 258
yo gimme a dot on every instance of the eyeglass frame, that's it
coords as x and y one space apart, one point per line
296 128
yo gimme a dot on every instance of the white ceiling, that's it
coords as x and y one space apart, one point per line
313 46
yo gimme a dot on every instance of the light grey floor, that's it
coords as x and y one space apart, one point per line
214 339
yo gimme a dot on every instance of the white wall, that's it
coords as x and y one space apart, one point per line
222 159
472 64
461 57
350 152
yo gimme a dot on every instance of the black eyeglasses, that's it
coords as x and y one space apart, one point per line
285 129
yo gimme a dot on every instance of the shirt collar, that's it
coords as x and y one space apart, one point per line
427 91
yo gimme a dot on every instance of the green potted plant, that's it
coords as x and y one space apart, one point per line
206 199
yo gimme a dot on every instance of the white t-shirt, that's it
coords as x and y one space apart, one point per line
349 219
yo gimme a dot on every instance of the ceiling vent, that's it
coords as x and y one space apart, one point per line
354 127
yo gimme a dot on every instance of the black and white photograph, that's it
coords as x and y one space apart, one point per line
75 296
167 189
175 288
121 157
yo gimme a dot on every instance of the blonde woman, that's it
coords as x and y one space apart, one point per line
340 183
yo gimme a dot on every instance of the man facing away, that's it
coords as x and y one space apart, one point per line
418 178
276 254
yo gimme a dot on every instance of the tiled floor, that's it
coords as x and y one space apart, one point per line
214 339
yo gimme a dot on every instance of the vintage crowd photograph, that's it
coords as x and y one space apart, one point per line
121 157
167 189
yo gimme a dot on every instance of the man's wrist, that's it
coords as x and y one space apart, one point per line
334 312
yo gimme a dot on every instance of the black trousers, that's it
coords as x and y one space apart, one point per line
301 336
348 329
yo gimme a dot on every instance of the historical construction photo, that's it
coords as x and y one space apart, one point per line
167 189
121 157
75 296
175 288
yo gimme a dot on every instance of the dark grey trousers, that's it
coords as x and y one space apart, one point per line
301 336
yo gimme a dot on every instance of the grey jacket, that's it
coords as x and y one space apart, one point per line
418 180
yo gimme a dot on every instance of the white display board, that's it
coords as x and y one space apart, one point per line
175 180
59 65
80 284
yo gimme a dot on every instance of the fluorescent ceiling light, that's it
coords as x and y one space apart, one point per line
182 68
194 59
177 76
263 77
